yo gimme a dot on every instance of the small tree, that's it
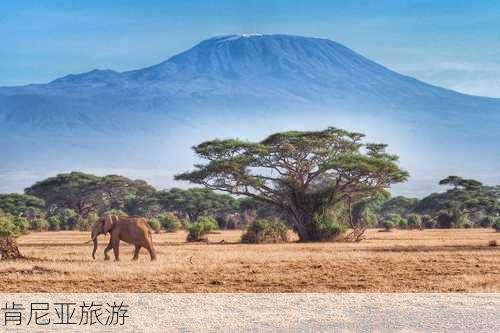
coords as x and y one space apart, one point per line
198 230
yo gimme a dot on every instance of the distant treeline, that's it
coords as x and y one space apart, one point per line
74 201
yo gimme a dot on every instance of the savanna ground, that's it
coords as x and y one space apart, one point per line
399 261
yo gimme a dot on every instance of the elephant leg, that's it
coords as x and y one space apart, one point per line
116 248
107 249
136 252
151 251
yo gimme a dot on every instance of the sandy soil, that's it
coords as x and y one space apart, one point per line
398 261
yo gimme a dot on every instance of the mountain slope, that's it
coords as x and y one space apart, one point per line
218 88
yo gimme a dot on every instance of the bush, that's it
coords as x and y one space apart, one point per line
202 226
7 227
266 231
54 223
69 219
388 225
170 222
398 221
428 222
487 222
22 224
496 224
155 224
414 221
326 228
39 225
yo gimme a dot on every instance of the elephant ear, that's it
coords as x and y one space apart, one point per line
108 223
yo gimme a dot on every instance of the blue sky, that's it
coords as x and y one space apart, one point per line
449 43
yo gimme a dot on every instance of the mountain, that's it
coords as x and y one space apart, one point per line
142 122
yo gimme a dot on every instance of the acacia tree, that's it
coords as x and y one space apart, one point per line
86 193
304 173
75 190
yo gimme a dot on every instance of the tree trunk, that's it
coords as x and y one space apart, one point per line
9 249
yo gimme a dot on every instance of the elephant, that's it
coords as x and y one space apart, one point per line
132 230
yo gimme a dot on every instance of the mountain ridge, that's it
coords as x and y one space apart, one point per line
223 83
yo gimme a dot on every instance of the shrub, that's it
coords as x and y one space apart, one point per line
487 222
428 222
170 222
496 224
266 231
388 225
54 223
414 221
7 227
398 221
202 226
155 224
22 224
325 226
39 224
68 218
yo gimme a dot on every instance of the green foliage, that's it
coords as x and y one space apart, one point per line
400 205
196 202
487 222
39 224
21 205
55 223
22 224
266 231
322 168
496 224
7 227
69 219
116 212
85 193
388 225
154 224
325 226
198 230
170 222
414 221
398 221
467 197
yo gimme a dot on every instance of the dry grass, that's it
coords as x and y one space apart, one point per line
399 261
